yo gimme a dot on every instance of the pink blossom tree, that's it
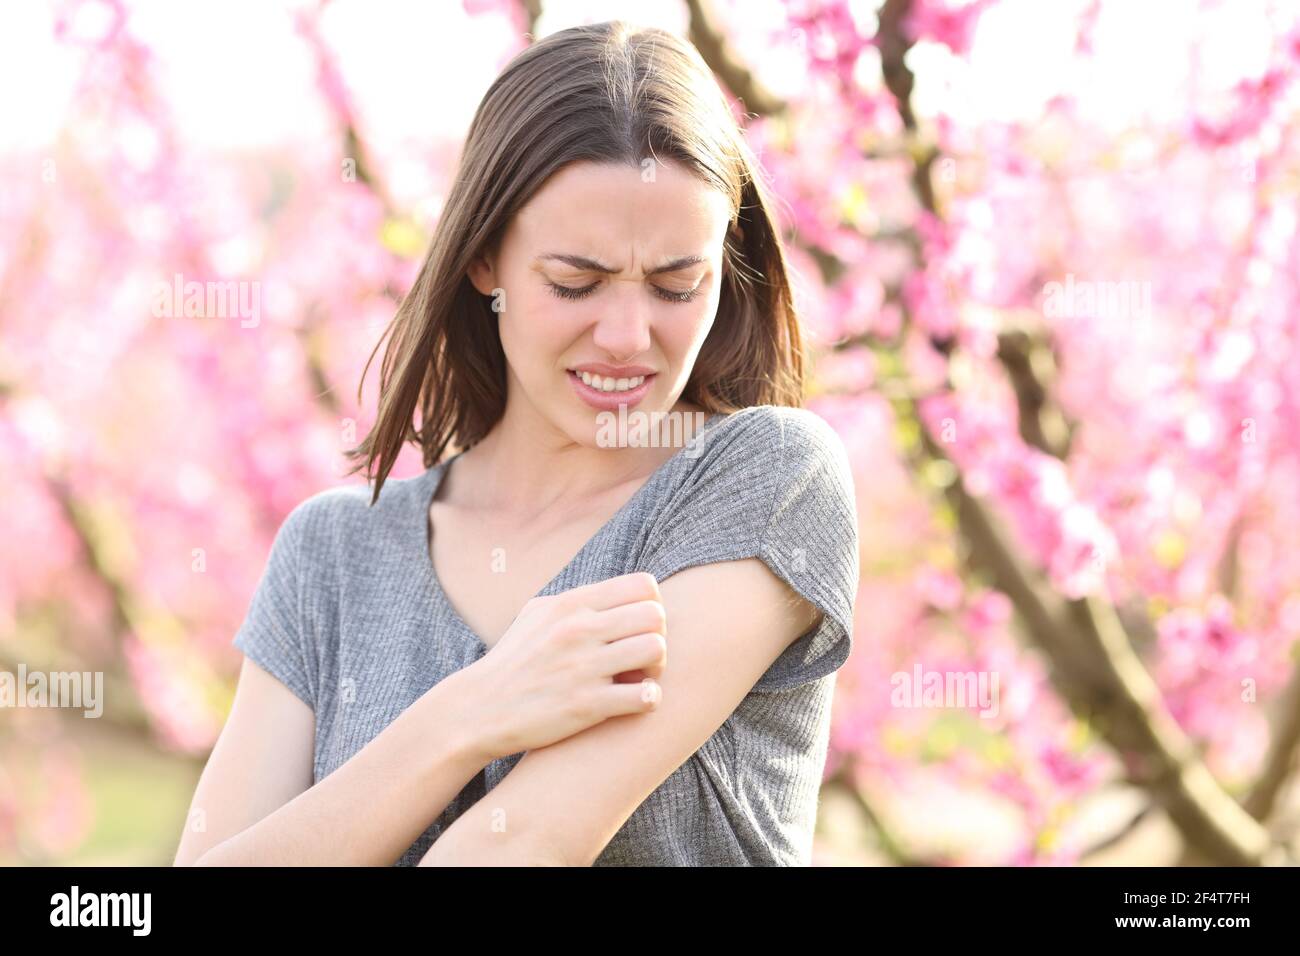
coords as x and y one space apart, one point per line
1059 346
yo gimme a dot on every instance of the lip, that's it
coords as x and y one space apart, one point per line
610 401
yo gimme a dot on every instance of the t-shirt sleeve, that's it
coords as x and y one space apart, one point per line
774 485
273 633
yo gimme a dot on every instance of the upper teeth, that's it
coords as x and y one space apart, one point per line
610 384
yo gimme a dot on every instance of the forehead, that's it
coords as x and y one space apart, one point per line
604 209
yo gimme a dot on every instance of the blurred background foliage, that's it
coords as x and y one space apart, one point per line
1047 258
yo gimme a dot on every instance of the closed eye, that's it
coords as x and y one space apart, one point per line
566 292
669 296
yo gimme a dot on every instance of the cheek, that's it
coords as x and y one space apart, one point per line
686 337
535 327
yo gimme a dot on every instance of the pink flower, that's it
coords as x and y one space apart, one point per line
943 21
940 589
986 611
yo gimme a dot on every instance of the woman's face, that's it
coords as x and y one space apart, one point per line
606 284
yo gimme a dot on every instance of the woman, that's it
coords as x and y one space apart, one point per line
606 629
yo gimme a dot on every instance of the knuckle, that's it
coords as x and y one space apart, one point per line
564 602
577 623
655 614
536 605
588 619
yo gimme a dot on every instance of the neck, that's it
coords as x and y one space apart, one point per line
525 465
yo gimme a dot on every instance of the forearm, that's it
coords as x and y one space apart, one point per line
499 830
478 839
371 809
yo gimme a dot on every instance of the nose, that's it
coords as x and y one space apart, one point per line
624 333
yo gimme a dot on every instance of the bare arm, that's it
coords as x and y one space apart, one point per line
255 804
562 804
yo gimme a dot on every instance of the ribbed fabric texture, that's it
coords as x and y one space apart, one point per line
349 615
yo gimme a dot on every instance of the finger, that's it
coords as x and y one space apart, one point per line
647 652
615 699
616 591
629 619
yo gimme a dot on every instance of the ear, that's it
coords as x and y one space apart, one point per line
482 274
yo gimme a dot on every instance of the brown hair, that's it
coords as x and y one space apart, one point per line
606 93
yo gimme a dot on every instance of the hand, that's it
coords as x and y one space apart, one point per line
569 661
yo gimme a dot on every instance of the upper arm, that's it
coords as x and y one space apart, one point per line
727 623
261 761
757 559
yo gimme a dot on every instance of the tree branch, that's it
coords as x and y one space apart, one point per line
713 47
1094 665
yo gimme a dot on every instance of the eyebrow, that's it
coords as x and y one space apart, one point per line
591 265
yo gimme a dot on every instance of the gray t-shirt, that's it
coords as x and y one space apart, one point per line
349 615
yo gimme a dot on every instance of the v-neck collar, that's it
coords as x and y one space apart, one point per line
427 487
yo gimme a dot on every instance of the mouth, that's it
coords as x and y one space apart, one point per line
608 393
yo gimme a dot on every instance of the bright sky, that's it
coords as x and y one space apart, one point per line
237 79
1023 55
